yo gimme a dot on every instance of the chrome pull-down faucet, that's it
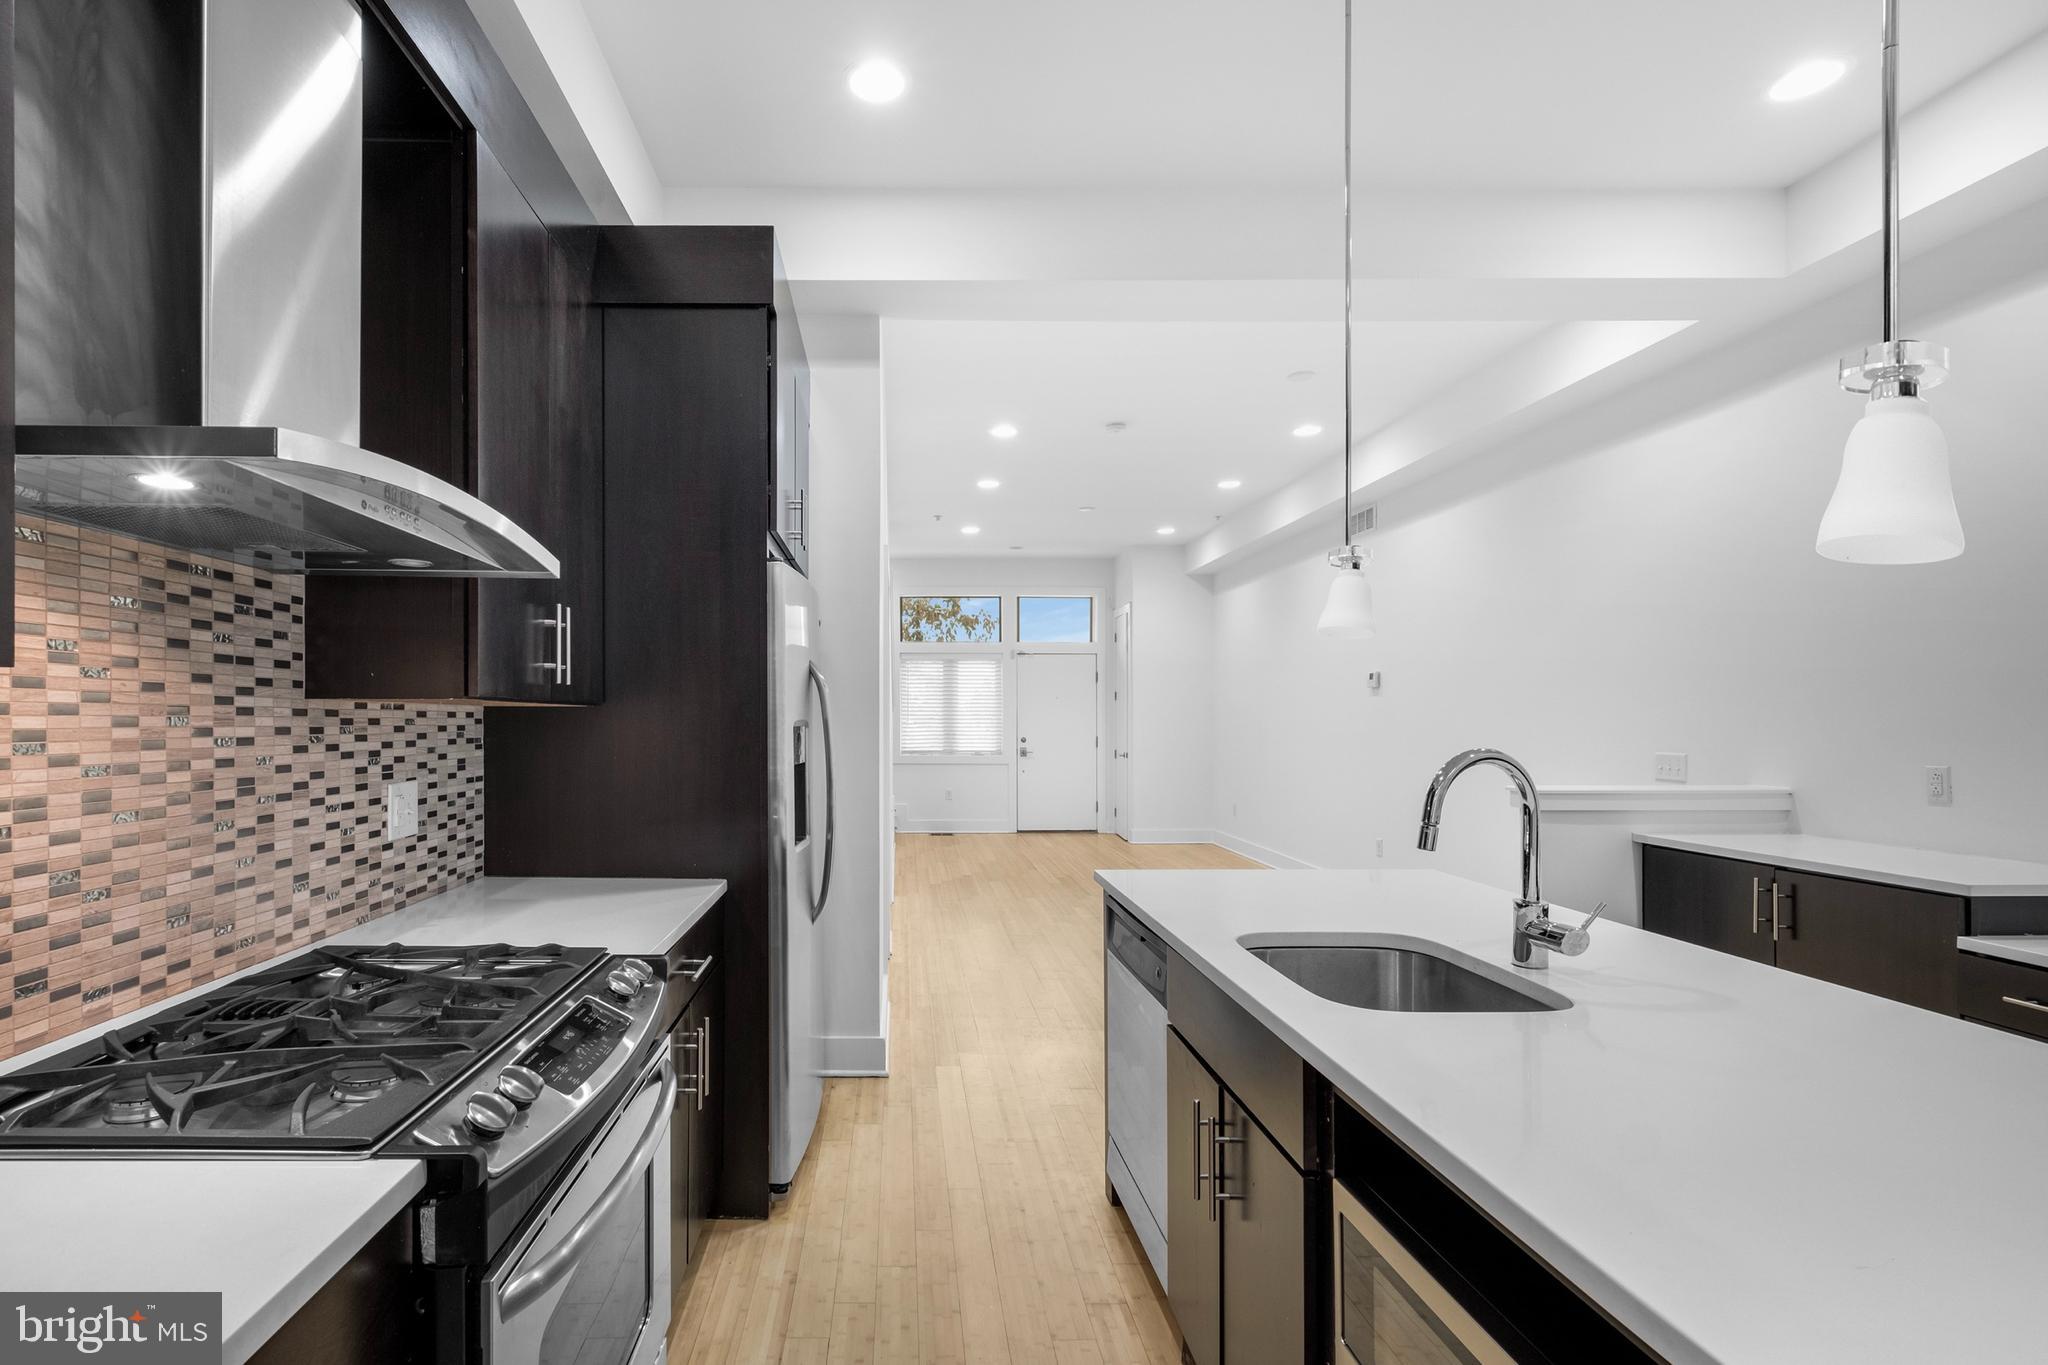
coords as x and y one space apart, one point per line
1536 935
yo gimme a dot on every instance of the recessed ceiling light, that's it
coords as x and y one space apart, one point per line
1115 428
1003 431
1807 78
412 563
1084 509
970 530
166 481
1301 376
1308 429
1166 530
877 82
988 483
1227 484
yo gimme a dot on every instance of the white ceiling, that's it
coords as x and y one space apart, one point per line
1136 93
1203 401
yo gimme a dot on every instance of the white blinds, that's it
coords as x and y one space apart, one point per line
949 704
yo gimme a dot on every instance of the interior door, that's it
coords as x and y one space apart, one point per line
1120 722
1056 741
1194 1246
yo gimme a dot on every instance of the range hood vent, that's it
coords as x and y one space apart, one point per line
189 274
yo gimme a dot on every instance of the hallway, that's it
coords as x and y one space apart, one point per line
954 1211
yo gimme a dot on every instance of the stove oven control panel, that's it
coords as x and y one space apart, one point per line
574 1049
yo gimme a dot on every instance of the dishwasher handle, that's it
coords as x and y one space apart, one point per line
1138 950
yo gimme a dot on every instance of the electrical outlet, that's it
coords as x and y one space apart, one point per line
401 810
1379 848
1670 767
949 793
1941 787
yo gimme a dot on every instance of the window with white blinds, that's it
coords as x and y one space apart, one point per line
949 703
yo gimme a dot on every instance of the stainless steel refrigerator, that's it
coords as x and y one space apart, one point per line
800 868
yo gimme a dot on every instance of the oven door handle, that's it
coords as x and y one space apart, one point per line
550 1269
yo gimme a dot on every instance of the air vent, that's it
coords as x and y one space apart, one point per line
1365 519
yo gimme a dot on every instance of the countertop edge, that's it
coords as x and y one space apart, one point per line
1626 1308
261 1325
1712 847
2029 950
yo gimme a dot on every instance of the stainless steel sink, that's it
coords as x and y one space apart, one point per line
1380 976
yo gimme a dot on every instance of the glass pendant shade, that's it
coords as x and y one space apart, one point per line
1348 613
1893 503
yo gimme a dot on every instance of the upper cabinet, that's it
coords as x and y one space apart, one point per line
792 521
732 268
480 366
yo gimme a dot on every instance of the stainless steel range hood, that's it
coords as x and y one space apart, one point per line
188 269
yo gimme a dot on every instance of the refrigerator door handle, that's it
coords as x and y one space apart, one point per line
825 731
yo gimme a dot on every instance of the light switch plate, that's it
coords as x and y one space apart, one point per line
401 810
1670 767
1941 787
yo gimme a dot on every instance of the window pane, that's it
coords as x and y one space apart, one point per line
1056 620
952 620
949 703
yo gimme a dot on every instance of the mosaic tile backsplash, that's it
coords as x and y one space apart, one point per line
174 809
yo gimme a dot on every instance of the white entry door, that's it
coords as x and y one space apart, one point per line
1055 741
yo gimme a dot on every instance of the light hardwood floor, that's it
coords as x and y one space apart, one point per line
954 1210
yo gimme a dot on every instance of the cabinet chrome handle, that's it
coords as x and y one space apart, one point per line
1218 1136
1195 1150
696 968
568 646
704 1061
1781 923
1756 895
690 1080
557 623
796 511
2024 1004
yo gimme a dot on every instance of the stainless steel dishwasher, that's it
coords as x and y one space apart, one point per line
1134 1011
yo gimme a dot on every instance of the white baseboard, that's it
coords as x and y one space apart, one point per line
1259 853
856 1055
956 827
1173 836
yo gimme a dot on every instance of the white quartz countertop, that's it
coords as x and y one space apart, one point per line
2031 949
642 916
1738 1163
1925 869
267 1235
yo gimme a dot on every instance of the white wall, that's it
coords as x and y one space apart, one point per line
1173 719
849 567
1662 593
979 795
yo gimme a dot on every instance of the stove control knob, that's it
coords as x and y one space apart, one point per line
488 1115
520 1084
639 969
623 983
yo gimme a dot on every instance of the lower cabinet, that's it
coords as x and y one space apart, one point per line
696 1145
1887 940
1239 1223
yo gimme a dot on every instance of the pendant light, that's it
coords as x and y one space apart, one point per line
1348 613
1893 503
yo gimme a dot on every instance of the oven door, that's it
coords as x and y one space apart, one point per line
1390 1311
586 1283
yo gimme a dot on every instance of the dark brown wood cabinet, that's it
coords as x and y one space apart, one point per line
1264 1206
1887 940
482 367
1194 1245
696 1141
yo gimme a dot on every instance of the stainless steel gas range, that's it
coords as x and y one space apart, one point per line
535 1083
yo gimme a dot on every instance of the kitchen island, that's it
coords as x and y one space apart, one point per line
1732 1163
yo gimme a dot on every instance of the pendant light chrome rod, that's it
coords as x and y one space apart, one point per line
1346 541
1889 149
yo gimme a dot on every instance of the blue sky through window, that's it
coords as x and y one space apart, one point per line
1055 620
